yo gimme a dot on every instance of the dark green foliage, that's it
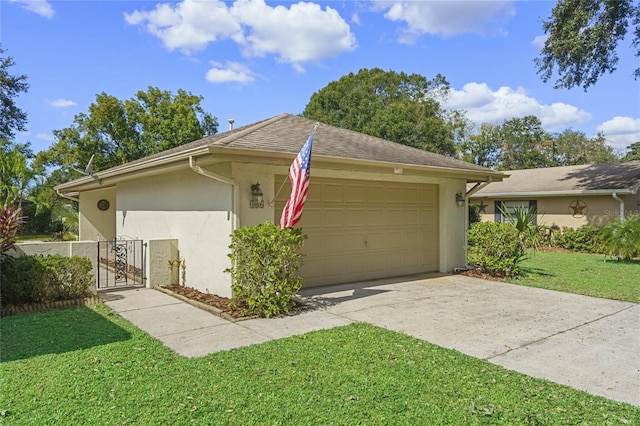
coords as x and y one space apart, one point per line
265 261
495 248
399 107
585 239
621 237
583 37
474 214
36 279
633 152
13 118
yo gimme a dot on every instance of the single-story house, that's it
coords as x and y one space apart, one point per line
375 208
568 196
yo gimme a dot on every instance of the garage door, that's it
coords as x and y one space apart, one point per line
361 230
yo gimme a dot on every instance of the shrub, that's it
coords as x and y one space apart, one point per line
621 237
495 248
37 279
10 221
585 239
265 261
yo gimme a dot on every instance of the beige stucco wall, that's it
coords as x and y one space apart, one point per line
452 252
556 210
188 207
159 253
93 223
86 249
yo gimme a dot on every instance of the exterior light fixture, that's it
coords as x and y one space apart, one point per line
257 200
459 199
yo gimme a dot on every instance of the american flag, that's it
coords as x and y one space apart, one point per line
299 177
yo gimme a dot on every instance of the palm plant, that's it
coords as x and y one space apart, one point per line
621 237
531 235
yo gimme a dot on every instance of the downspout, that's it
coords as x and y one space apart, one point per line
224 179
621 201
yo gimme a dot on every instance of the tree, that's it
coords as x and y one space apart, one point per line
116 132
399 107
12 118
633 152
15 174
523 142
583 36
571 148
483 148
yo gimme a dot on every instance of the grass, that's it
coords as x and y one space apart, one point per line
582 273
90 366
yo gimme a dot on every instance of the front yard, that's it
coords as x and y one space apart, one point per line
89 366
582 273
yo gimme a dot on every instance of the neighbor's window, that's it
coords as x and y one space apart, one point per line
512 206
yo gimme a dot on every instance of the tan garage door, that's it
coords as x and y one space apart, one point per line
361 230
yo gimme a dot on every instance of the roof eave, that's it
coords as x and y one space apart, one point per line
555 193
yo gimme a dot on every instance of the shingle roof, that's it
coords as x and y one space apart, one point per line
287 133
593 177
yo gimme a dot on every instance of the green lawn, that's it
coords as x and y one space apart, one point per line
88 366
582 273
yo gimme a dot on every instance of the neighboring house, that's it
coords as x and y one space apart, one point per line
565 196
375 208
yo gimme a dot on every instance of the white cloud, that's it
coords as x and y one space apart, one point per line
447 18
48 137
484 105
62 103
300 33
40 7
190 25
621 131
539 41
229 72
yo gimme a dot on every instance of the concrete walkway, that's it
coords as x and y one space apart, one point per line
587 343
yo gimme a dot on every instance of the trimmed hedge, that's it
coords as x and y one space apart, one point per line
265 261
495 248
585 239
37 279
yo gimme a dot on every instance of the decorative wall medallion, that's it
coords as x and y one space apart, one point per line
103 205
578 208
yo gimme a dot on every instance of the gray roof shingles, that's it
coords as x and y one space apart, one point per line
591 177
287 133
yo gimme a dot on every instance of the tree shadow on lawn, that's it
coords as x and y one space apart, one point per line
54 332
528 272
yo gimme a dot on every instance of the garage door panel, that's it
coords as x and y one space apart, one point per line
332 218
360 230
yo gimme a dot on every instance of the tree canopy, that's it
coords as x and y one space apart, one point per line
521 143
633 152
12 118
399 107
583 37
116 132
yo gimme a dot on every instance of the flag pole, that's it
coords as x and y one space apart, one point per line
287 177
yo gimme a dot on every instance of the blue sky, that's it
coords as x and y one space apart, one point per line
252 59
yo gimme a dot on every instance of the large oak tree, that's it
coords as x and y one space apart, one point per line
399 107
116 132
583 38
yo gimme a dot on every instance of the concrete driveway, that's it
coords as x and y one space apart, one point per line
584 342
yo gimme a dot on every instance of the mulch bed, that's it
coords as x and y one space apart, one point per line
222 304
219 305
